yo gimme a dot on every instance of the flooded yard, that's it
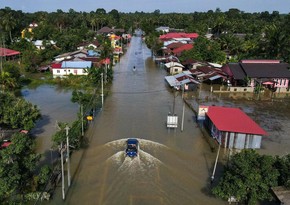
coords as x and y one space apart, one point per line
269 110
55 106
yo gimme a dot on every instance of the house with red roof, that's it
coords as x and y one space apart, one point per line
9 54
177 51
179 35
232 128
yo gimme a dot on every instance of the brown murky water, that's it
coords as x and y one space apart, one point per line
173 167
55 106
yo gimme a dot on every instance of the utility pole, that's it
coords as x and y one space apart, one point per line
82 116
62 172
183 107
106 68
68 161
102 95
215 164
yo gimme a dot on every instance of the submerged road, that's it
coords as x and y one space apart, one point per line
172 167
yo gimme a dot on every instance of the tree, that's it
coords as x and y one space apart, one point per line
204 50
8 22
17 113
248 177
282 164
17 166
7 82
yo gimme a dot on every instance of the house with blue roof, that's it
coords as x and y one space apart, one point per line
72 68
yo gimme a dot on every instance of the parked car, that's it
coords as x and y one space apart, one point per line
132 147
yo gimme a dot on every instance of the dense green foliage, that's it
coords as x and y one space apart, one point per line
249 176
17 113
266 35
282 164
18 163
205 50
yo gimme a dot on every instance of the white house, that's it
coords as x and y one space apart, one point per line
164 29
174 67
71 68
40 44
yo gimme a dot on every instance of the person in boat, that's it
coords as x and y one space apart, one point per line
134 68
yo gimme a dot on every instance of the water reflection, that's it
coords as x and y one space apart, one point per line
55 106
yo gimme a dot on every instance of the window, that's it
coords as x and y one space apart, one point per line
57 71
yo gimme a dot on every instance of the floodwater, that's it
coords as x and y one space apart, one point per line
269 110
172 167
55 106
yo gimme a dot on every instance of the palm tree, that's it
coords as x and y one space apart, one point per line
8 23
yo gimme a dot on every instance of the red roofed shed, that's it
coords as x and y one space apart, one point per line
9 54
232 128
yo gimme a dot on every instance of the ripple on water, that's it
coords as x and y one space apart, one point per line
142 163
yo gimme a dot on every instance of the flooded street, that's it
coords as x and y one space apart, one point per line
172 167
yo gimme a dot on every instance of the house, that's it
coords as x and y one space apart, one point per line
173 67
181 80
107 30
178 36
177 51
89 45
163 29
29 30
70 68
71 55
207 73
232 128
9 54
271 74
40 44
116 44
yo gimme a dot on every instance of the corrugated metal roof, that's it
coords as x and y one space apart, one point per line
76 64
215 77
233 120
172 81
173 64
